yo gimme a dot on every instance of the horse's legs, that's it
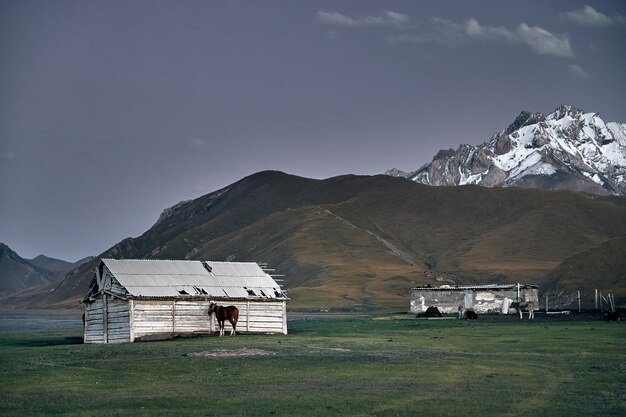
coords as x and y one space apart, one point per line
233 323
221 323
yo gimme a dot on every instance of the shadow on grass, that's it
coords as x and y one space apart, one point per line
50 341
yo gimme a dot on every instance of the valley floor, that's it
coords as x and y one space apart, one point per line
379 365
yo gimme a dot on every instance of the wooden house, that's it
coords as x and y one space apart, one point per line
132 300
486 298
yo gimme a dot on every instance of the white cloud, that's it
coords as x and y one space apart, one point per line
578 72
542 42
588 16
476 31
447 32
538 40
389 19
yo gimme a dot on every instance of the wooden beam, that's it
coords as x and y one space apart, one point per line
105 319
131 319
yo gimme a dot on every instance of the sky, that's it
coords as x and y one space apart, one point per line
111 111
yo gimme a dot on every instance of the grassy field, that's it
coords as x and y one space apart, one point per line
366 365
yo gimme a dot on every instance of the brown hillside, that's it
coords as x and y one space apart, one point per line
359 242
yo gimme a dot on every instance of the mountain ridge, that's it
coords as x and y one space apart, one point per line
361 242
18 274
566 149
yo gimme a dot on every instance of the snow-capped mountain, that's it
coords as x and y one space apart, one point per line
567 149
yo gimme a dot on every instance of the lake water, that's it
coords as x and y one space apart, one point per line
14 321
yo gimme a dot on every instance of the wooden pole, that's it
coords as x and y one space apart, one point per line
596 298
546 303
248 316
105 319
579 301
174 316
605 300
601 300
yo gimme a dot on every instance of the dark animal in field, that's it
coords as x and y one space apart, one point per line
471 315
611 316
431 312
529 306
461 310
230 313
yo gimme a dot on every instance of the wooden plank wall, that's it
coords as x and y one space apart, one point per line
270 317
118 320
93 322
115 313
155 317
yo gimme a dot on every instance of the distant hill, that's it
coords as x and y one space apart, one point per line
57 266
18 274
602 267
361 242
567 149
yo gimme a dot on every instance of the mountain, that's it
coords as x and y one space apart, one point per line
58 267
606 263
361 242
567 149
17 274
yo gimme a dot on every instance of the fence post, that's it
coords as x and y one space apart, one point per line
600 300
579 301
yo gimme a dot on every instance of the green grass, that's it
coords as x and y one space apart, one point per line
341 366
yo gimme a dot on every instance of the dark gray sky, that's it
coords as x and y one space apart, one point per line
111 111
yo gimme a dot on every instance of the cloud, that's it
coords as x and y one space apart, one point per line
476 31
542 42
389 19
538 40
578 72
588 16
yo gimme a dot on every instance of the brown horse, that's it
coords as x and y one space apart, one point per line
230 313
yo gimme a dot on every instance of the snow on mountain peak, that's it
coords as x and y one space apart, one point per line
567 149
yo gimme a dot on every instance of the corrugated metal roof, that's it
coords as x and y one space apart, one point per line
476 287
158 278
